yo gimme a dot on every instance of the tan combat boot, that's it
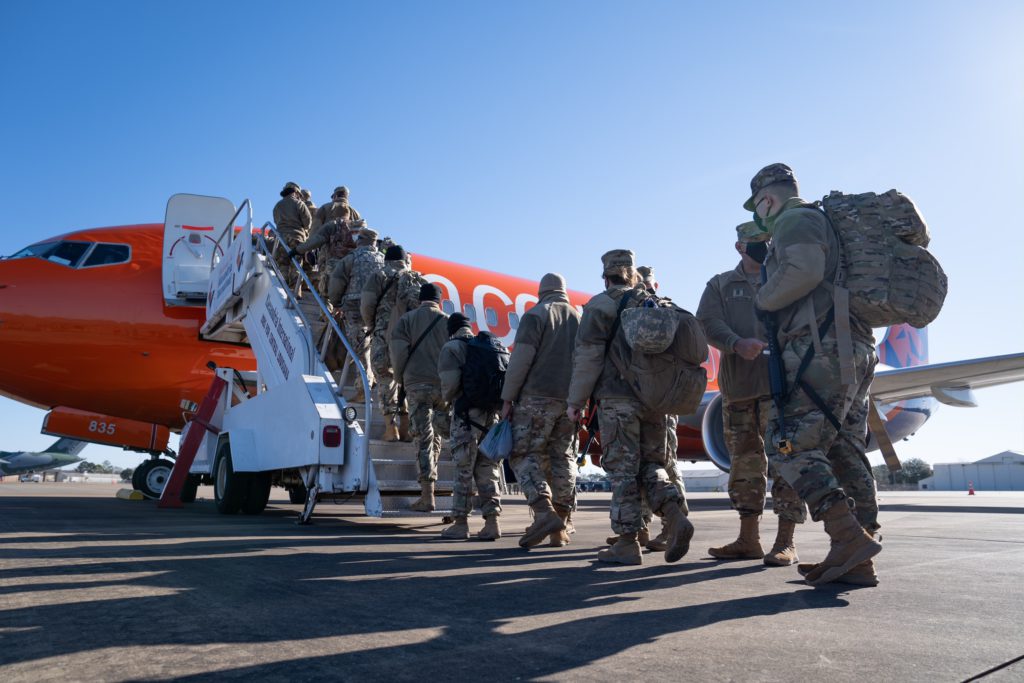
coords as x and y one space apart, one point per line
391 431
746 547
680 531
625 551
861 575
403 428
643 537
851 546
426 501
459 531
783 553
560 539
491 530
545 522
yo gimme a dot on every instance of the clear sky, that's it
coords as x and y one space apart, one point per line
533 136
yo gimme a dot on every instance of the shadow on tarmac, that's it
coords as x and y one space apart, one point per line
244 580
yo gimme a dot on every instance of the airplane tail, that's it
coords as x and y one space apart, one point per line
904 346
69 446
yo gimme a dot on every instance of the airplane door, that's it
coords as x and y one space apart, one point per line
192 226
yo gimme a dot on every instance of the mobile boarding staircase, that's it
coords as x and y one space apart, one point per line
292 422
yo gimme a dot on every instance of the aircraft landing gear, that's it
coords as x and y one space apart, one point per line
151 476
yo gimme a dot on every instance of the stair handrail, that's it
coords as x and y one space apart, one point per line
229 230
269 251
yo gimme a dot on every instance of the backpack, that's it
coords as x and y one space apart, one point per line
483 374
891 276
664 347
340 243
407 292
365 262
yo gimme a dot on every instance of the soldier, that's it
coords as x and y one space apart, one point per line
469 425
338 208
335 239
821 451
378 310
415 347
633 440
727 313
536 385
292 219
307 199
346 290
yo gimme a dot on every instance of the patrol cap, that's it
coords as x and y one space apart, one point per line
456 321
340 190
769 175
394 253
749 232
306 194
617 258
430 292
367 234
646 272
290 186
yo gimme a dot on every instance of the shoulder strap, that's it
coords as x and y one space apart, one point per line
387 285
423 336
618 320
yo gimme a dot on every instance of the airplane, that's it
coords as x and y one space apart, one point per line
63 452
100 327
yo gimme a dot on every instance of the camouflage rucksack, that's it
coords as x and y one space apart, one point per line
340 243
664 346
891 277
407 292
365 262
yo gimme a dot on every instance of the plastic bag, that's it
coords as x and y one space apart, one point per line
498 443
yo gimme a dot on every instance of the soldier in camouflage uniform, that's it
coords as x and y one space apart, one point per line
469 425
801 264
407 292
416 366
307 199
379 313
727 313
544 439
330 234
292 218
633 440
345 291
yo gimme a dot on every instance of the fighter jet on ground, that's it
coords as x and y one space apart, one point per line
63 452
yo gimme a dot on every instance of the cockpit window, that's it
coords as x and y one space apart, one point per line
107 255
77 254
68 253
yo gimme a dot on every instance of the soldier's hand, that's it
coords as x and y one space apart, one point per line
292 253
749 349
573 413
506 410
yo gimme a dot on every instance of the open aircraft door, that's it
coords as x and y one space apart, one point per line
192 225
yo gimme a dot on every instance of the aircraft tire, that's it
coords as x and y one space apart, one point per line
151 476
230 488
188 490
258 494
297 494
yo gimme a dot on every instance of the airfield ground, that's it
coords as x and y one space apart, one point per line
95 588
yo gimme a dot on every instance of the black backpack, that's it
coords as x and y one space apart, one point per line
483 375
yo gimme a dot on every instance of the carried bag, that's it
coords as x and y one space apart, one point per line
885 266
662 355
483 374
497 444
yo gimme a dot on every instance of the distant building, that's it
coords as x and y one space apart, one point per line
87 477
697 481
1001 472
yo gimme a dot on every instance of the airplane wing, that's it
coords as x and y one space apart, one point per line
950 383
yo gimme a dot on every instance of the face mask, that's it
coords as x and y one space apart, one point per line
760 224
757 251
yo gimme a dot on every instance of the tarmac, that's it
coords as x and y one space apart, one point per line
101 589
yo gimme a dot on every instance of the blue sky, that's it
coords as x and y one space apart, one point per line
533 136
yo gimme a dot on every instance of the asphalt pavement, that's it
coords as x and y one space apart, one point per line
101 589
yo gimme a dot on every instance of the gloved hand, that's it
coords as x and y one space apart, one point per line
292 253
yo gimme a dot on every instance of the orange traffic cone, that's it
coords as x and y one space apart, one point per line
970 488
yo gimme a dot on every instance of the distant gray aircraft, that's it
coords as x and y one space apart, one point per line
62 452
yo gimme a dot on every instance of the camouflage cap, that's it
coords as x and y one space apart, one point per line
749 232
340 190
291 186
367 234
646 272
617 258
769 175
306 194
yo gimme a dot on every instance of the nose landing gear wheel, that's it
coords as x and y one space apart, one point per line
151 476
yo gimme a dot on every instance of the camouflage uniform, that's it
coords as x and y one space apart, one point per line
428 414
727 313
335 211
378 311
544 439
471 466
346 290
803 243
334 241
292 219
633 441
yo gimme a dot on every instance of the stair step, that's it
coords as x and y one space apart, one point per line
397 470
398 506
